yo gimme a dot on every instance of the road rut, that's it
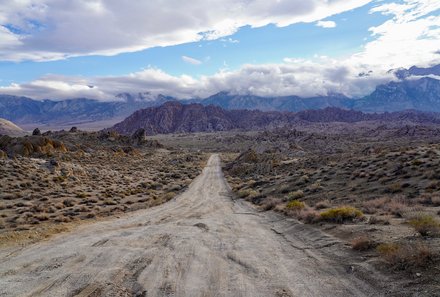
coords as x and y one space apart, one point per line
202 243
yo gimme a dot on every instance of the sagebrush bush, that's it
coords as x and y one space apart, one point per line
425 224
341 214
402 256
362 243
248 193
295 195
308 216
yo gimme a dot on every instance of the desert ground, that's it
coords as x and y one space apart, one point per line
321 210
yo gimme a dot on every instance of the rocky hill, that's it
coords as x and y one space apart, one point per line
175 117
10 129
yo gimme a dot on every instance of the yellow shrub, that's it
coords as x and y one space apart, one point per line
341 214
296 205
425 224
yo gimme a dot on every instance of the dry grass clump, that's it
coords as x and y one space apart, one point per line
425 224
341 214
403 256
362 243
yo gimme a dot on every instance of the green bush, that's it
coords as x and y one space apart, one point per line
341 214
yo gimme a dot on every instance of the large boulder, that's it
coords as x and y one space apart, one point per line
36 132
139 136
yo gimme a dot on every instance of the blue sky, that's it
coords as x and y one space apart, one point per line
40 53
269 44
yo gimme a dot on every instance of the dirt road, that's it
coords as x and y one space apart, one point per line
202 243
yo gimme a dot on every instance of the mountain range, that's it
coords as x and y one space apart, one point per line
175 117
409 92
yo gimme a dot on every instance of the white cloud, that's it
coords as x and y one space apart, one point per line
298 77
411 37
326 24
55 29
190 60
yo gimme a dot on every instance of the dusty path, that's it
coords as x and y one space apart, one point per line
200 244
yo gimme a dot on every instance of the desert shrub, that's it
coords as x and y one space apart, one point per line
81 195
110 202
394 188
295 205
308 216
295 195
402 256
269 203
362 243
248 193
373 220
425 224
315 187
433 200
169 196
322 204
68 202
90 215
417 162
371 206
341 214
42 217
302 180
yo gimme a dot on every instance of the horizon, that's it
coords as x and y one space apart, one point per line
252 48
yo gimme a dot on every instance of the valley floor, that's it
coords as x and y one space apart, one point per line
201 243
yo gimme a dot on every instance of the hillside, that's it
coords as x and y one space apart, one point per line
25 110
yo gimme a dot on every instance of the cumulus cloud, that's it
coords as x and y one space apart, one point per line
303 78
326 24
190 60
56 29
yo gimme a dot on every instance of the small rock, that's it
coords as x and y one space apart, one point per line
418 274
54 163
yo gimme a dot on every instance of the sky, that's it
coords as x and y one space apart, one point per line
60 49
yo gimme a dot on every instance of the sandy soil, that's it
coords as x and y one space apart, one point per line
202 243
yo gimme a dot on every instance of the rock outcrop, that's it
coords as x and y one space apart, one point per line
175 117
30 146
